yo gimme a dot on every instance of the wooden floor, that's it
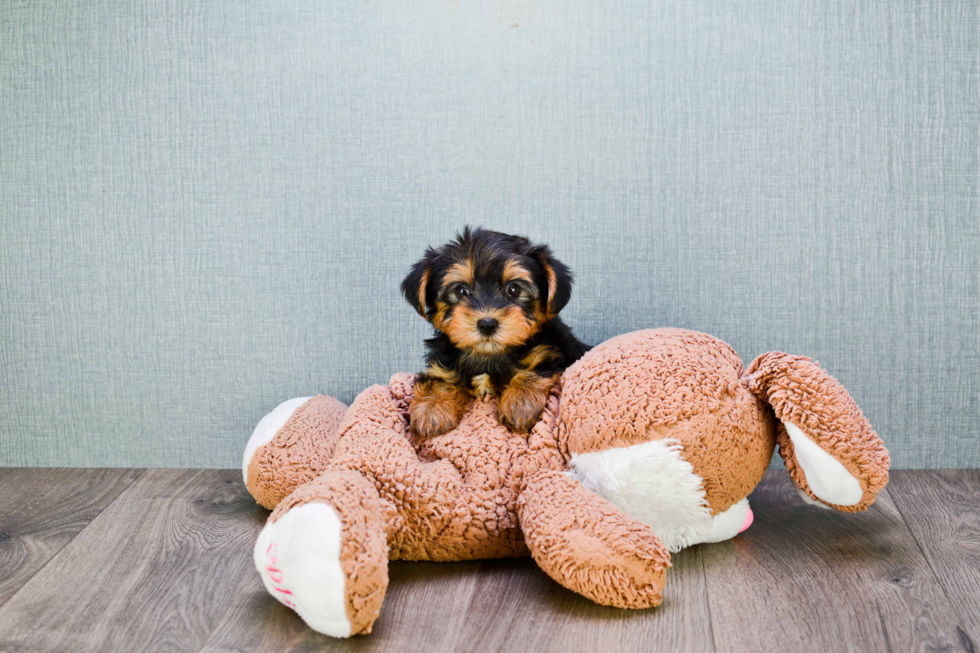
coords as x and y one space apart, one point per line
160 560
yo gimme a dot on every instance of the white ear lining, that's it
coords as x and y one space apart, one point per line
828 479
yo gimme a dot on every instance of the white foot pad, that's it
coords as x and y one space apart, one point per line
298 558
267 428
828 479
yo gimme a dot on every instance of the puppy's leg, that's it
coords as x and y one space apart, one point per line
437 406
523 400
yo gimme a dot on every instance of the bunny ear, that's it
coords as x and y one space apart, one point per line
559 279
416 284
828 445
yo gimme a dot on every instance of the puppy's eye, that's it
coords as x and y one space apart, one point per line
462 291
513 291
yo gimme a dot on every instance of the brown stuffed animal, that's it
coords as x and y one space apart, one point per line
650 443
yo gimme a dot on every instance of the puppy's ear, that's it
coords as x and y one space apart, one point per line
416 285
558 277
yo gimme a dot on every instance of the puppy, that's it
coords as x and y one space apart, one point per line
494 301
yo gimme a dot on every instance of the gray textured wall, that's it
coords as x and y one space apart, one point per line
207 207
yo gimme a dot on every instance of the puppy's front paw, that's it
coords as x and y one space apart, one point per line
436 409
520 407
430 419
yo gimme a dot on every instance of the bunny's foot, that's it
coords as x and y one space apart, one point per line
324 554
290 446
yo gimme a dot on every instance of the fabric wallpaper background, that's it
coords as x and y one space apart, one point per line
206 207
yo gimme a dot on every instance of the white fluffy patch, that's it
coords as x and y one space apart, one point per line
267 428
828 479
651 482
728 524
298 558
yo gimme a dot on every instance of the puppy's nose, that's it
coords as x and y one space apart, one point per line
487 326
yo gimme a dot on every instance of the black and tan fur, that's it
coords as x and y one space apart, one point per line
485 275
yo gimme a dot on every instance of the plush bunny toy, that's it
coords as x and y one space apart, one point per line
650 443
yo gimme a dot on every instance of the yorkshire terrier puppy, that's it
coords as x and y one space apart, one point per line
494 301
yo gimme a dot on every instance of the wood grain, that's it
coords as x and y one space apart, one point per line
426 602
493 605
517 607
166 566
43 509
942 509
155 570
806 579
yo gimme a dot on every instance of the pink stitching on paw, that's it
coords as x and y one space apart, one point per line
271 571
276 575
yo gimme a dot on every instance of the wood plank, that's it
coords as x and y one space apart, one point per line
41 510
426 602
516 607
493 605
942 509
167 566
156 570
482 606
806 579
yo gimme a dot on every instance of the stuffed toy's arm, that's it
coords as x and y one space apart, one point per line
324 550
589 545
374 440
